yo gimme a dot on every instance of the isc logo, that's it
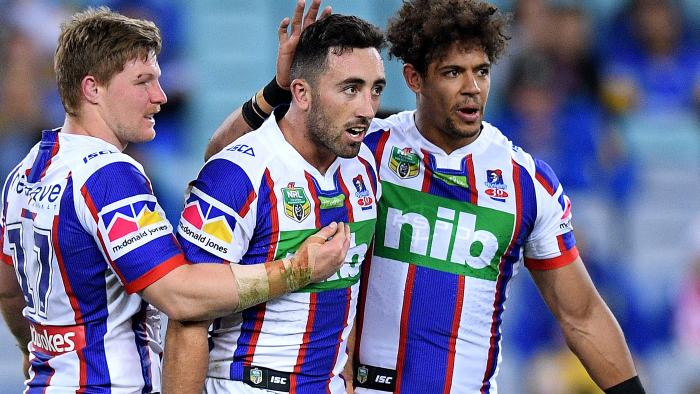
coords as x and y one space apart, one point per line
278 380
383 379
475 248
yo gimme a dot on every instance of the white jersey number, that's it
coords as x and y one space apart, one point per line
36 285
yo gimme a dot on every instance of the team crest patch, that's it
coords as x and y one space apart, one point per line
296 204
364 199
256 375
132 223
207 223
404 163
362 374
496 189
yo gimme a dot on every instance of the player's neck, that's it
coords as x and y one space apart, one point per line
294 129
448 142
88 124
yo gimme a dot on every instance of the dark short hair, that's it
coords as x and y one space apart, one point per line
99 42
337 33
423 30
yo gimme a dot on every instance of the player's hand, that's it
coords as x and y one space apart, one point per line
325 251
288 40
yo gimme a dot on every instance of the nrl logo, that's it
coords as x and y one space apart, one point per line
404 163
296 204
362 374
256 376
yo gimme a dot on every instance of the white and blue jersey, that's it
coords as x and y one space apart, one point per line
85 234
256 201
452 231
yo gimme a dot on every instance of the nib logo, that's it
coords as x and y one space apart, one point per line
209 219
130 218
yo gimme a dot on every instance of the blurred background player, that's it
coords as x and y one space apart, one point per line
87 238
296 173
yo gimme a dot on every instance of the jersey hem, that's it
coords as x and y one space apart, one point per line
567 257
7 259
155 273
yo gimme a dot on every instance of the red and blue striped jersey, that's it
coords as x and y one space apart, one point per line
256 201
452 231
85 234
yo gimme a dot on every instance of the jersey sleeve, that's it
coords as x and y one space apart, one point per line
217 223
5 252
118 207
551 244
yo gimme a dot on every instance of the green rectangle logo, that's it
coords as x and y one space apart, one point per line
440 233
361 234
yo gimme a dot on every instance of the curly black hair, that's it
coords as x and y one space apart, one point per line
424 30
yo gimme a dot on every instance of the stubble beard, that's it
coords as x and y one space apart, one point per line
322 134
450 128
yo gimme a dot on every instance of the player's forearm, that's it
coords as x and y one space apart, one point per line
194 292
186 357
19 326
349 371
599 343
11 305
206 291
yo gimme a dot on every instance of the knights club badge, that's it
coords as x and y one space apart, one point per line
404 163
364 200
296 204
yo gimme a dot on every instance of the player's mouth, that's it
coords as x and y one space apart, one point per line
151 115
469 113
357 132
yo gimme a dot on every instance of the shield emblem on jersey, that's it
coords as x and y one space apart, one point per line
362 374
256 376
296 204
404 163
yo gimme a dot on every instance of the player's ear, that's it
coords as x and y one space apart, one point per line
301 93
413 78
90 89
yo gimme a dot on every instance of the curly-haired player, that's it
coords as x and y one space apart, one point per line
462 209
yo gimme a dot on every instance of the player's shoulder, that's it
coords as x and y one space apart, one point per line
499 141
247 156
396 123
537 168
86 156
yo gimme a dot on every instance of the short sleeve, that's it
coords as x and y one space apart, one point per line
120 210
217 223
551 244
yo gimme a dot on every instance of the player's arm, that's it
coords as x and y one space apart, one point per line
254 111
186 357
11 304
206 291
349 370
590 329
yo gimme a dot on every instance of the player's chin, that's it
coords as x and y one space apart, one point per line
349 150
146 135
